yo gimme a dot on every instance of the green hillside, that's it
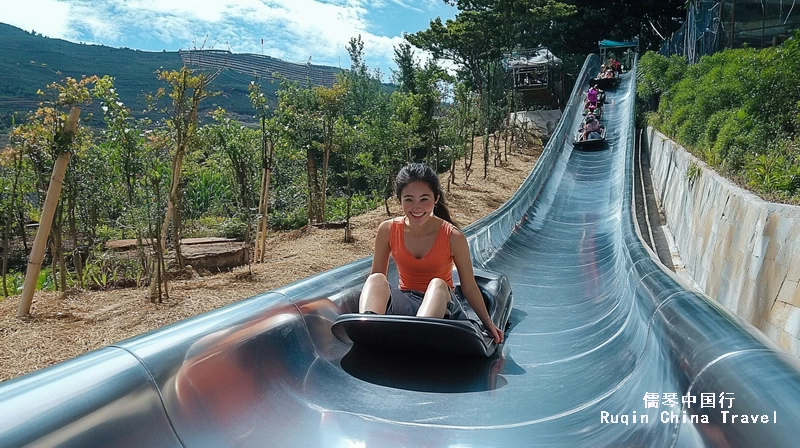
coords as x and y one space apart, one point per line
29 63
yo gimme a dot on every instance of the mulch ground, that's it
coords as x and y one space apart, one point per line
61 327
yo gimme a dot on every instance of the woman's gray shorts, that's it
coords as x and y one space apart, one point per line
407 302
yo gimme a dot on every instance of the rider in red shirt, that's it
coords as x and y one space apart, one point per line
425 244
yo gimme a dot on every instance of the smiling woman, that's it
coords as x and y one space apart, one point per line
424 244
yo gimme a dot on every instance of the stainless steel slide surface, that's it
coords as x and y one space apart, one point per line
602 336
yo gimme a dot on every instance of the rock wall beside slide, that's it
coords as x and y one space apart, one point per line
743 251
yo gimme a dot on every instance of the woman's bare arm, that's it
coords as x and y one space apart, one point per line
463 261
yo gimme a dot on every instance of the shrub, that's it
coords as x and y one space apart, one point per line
106 233
288 219
337 206
234 228
205 226
738 110
14 282
692 173
206 191
106 269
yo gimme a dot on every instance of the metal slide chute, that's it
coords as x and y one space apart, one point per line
597 327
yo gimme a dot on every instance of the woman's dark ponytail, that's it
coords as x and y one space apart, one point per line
443 211
418 172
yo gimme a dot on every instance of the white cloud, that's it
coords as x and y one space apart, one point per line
304 27
432 3
405 5
292 29
28 16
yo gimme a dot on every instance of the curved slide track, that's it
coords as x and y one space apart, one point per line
605 344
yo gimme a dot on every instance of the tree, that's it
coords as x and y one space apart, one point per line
457 131
477 38
483 30
238 145
47 139
156 168
427 100
186 91
61 143
350 138
361 86
393 139
268 136
422 84
12 183
87 167
125 151
406 68
464 41
296 118
331 102
650 20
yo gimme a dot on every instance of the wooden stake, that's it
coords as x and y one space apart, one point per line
46 221
265 218
259 233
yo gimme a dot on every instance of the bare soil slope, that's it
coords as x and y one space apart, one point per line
60 329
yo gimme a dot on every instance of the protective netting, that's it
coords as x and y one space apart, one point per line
711 26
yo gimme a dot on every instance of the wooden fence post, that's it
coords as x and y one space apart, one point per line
46 221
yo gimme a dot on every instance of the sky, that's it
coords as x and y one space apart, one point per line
293 30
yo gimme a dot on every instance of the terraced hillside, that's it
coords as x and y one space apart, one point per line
264 66
29 62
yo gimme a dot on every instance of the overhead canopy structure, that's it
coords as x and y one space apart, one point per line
629 47
535 57
607 44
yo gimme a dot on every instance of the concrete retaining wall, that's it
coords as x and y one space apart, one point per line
744 252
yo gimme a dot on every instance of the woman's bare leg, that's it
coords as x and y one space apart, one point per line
434 304
375 295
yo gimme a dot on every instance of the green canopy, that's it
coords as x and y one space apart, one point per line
605 43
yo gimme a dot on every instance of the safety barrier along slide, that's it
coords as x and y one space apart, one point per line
606 347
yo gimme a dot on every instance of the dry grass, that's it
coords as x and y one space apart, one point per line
61 328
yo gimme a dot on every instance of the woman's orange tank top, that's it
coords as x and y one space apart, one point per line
416 273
